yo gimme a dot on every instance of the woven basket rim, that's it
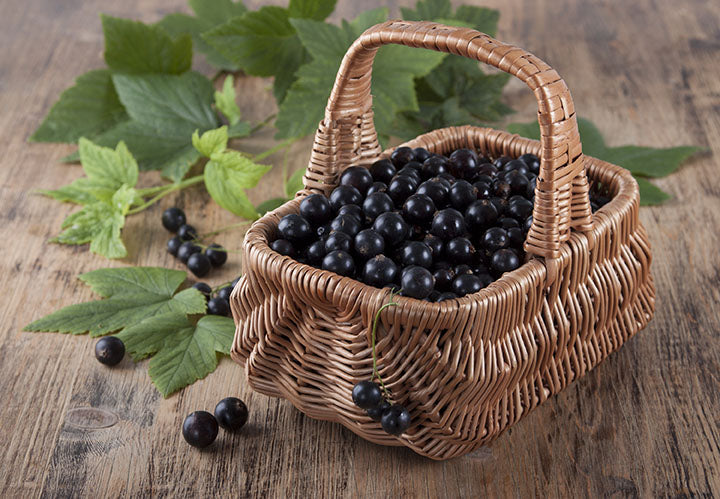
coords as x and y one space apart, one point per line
626 194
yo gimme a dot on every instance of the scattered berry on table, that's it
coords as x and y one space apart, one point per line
173 245
187 249
187 232
204 288
200 429
231 413
199 264
109 350
216 254
218 306
173 218
224 293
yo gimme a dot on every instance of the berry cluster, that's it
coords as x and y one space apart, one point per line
218 300
436 227
200 428
394 418
184 246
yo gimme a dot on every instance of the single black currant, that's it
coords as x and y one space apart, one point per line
224 293
339 262
461 269
284 247
461 194
377 187
358 177
376 413
463 163
443 278
173 218
295 228
401 156
532 161
316 209
504 260
460 250
520 209
400 188
466 284
199 264
347 224
383 170
418 209
392 227
200 429
173 245
380 271
416 282
435 244
500 162
368 243
480 214
315 253
338 241
484 189
434 166
344 194
435 189
204 288
352 210
448 295
231 413
218 306
507 222
235 282
447 224
421 154
516 165
416 253
408 171
187 249
217 255
109 350
495 238
187 232
367 395
395 420
377 203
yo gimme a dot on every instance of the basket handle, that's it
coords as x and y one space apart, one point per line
347 134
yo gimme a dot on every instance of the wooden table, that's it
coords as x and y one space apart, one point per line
644 423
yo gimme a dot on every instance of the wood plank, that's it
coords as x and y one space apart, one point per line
644 423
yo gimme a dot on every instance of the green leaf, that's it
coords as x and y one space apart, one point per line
239 130
183 352
270 205
640 161
227 175
311 9
132 295
428 10
165 110
393 73
208 14
480 18
225 101
295 182
86 109
649 194
212 141
134 47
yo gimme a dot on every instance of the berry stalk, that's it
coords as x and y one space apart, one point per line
376 373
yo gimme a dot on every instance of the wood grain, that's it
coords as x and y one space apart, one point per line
643 424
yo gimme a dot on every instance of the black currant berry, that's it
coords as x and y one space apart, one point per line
434 166
462 269
231 413
416 282
109 350
532 161
383 171
484 189
338 241
295 228
421 154
516 165
347 224
443 278
436 190
199 264
507 222
462 193
500 162
494 239
448 295
380 271
358 177
391 227
460 250
435 244
344 194
377 203
368 243
315 253
218 306
284 247
463 163
377 187
504 260
367 395
224 293
480 214
217 255
401 156
316 209
204 288
187 249
416 253
418 209
409 171
339 262
173 218
447 224
352 210
200 429
173 245
400 188
466 284
395 420
187 232
376 413
520 209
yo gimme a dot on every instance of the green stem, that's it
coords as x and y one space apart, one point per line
278 147
376 373
152 190
262 124
168 189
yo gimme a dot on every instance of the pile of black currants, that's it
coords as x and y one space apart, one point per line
200 428
184 246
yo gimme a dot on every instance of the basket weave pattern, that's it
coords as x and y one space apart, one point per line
466 369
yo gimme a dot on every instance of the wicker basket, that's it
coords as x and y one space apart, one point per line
468 368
